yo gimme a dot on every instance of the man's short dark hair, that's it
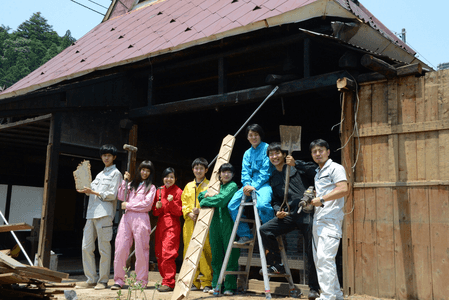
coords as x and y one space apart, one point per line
256 128
319 143
275 146
200 161
108 149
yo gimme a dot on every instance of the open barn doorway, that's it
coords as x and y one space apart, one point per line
176 140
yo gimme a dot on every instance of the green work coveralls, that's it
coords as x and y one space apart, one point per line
220 233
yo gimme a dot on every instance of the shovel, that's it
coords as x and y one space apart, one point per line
290 141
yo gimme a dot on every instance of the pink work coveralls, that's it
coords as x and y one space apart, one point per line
135 224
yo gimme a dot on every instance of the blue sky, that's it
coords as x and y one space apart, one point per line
425 24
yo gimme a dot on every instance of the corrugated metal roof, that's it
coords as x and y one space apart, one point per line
172 25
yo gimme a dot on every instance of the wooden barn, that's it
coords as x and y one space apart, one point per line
175 77
396 229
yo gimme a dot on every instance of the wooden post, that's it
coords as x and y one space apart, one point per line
49 197
150 89
222 80
306 57
345 84
133 141
347 158
8 201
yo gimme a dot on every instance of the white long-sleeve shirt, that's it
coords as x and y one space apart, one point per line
106 184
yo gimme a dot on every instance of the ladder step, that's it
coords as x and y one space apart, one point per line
248 221
235 273
247 204
279 275
246 246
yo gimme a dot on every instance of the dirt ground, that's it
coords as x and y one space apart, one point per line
152 294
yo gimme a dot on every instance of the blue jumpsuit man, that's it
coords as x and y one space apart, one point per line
256 171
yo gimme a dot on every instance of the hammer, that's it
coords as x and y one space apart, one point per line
130 149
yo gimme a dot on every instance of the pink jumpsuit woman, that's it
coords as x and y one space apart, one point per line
135 224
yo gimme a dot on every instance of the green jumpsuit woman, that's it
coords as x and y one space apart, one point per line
221 228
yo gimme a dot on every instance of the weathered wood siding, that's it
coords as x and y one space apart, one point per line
400 221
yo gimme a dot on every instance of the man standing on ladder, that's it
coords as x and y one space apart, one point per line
301 175
256 170
331 187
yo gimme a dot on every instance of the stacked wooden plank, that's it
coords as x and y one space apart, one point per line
19 281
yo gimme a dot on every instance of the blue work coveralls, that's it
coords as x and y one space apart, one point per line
256 171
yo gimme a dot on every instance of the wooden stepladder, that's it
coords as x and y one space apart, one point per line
193 253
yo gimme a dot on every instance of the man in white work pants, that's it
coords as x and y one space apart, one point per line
100 213
331 187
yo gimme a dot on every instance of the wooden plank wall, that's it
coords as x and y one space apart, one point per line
401 189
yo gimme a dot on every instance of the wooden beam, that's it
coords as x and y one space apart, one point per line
6 252
300 86
414 69
379 66
273 79
24 122
405 128
150 90
307 59
345 84
349 60
12 278
288 40
14 227
222 75
50 186
11 262
418 183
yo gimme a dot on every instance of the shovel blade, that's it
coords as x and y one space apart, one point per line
290 138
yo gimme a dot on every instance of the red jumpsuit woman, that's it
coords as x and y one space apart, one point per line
168 207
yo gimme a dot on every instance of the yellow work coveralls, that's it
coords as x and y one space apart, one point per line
189 201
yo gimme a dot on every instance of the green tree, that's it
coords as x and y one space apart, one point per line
26 49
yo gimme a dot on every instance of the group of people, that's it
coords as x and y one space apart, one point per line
264 168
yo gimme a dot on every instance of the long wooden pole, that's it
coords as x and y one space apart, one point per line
50 186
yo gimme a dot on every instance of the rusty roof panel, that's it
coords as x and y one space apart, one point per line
171 25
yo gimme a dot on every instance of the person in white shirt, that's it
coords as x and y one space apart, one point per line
99 217
331 187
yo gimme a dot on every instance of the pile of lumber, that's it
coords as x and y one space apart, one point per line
19 281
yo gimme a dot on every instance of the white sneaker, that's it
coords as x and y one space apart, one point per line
228 293
243 241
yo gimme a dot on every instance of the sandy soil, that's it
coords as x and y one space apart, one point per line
152 294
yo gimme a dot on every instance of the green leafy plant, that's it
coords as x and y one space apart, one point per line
133 287
156 286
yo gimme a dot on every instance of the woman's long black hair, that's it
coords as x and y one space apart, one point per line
225 167
138 178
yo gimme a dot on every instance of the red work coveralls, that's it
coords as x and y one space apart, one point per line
168 232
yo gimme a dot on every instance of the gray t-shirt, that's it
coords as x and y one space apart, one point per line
106 183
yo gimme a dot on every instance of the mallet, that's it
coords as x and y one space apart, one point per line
130 150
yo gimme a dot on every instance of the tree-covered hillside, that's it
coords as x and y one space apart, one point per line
30 46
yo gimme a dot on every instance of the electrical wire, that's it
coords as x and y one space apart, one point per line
98 4
88 7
